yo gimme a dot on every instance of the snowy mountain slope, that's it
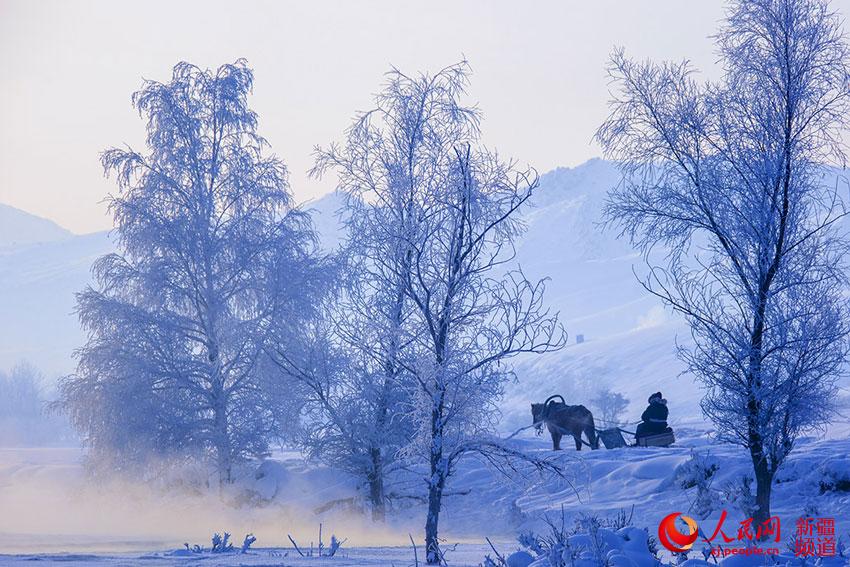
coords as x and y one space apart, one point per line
37 287
629 337
326 213
18 227
629 340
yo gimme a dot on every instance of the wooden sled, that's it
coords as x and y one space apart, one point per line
658 440
612 438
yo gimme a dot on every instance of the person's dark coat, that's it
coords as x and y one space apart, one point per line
654 417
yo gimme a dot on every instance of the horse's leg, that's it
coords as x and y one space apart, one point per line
577 437
556 439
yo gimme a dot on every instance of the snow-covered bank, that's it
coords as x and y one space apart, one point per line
462 556
49 507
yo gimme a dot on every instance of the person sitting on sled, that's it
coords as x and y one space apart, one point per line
654 418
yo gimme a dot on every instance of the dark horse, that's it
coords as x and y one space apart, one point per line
562 419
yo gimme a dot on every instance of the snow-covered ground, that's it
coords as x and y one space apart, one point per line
464 555
51 512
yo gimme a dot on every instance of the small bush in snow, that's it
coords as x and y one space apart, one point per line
591 542
553 546
530 541
698 472
740 493
695 471
194 548
246 544
834 476
221 544
620 520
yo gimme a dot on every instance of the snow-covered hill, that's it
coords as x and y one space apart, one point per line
18 227
628 338
37 286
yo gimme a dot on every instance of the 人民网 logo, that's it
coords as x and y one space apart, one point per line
670 536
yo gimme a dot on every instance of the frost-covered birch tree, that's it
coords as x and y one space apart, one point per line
349 412
729 178
611 406
390 160
439 237
432 305
211 255
475 313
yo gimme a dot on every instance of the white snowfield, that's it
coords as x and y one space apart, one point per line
49 511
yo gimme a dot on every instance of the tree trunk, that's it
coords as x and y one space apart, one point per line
436 483
222 445
376 474
435 497
376 485
755 441
764 485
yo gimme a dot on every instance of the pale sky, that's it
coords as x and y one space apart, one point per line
68 68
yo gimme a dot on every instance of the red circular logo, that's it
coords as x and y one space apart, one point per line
670 536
